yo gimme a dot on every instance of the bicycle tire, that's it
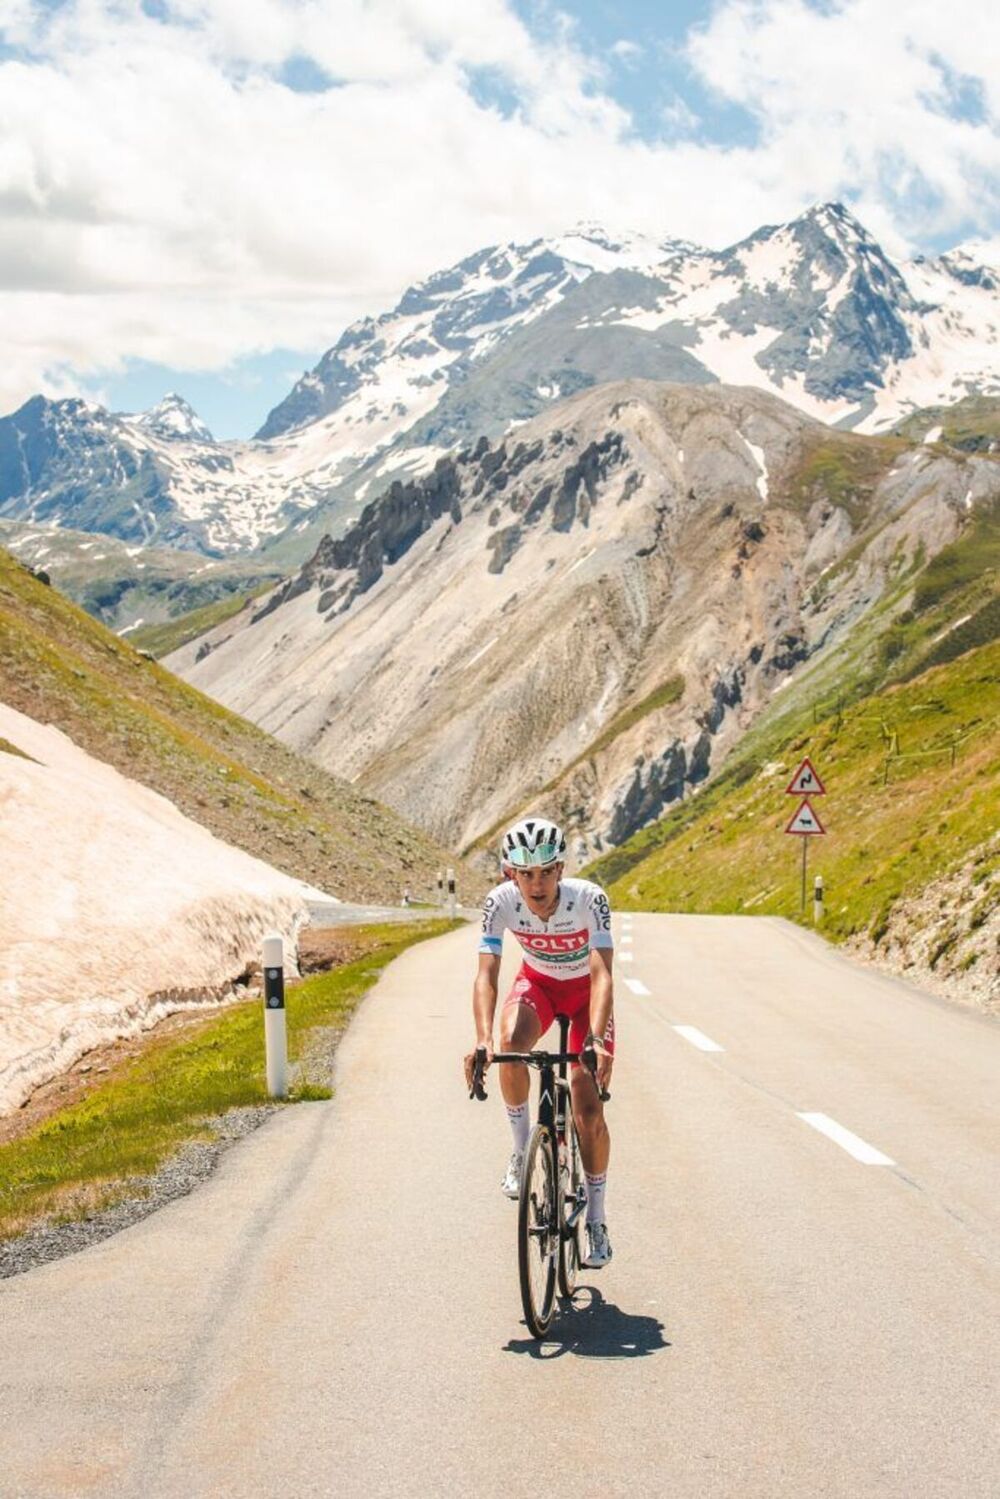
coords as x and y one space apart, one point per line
572 1198
538 1232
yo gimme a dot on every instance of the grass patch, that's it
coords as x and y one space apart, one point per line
60 666
973 559
971 425
82 1157
169 636
843 471
671 691
6 748
725 851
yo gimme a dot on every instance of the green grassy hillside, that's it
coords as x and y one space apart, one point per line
971 425
912 774
171 634
120 584
60 666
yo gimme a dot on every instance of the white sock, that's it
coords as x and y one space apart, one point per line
520 1123
595 1197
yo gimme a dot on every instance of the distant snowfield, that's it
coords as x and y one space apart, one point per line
115 909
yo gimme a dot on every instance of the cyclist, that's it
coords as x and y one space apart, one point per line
564 929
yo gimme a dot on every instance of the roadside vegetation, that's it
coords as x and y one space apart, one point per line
59 666
90 1155
912 773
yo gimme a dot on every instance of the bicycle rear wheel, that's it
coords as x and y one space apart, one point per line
573 1195
538 1232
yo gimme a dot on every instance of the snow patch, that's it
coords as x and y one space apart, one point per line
119 900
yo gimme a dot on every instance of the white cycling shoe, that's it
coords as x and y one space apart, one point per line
598 1246
511 1184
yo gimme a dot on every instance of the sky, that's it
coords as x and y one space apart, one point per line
200 195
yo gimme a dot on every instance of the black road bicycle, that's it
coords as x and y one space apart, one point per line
553 1197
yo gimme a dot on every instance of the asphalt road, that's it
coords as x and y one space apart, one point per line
791 1310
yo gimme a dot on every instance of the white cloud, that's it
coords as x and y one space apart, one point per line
866 95
626 51
164 195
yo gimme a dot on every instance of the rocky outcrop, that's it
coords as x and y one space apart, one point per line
512 627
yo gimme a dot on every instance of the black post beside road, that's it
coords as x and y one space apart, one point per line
275 1031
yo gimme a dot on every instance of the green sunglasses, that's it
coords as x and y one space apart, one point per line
528 858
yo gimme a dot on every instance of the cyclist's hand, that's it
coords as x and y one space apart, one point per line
470 1062
605 1062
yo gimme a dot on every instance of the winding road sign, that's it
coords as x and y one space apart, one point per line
805 781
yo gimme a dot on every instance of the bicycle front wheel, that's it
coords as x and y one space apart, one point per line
538 1232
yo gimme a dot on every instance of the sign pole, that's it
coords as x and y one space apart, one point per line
805 824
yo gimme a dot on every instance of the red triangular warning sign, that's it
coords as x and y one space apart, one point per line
805 781
805 821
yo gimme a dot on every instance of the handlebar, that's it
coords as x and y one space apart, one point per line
587 1058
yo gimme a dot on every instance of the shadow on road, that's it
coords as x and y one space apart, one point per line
591 1327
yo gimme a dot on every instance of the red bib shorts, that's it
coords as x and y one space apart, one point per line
549 997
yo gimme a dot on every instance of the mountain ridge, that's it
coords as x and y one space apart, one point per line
813 311
709 533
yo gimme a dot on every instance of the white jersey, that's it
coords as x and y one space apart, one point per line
560 947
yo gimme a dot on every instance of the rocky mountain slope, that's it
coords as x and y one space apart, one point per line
590 612
813 311
154 479
60 668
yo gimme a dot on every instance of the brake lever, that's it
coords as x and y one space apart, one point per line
589 1057
477 1090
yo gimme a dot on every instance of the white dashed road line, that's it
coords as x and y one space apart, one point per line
626 957
637 986
698 1038
858 1148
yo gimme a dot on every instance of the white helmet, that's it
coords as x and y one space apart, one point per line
533 842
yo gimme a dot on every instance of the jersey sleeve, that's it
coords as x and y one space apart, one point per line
494 922
600 918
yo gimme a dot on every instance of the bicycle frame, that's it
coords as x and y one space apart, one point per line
553 1084
550 1206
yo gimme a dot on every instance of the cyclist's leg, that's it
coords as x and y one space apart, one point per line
588 1110
526 1015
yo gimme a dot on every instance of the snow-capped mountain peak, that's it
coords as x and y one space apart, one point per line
812 311
174 417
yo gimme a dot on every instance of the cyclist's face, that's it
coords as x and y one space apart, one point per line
538 886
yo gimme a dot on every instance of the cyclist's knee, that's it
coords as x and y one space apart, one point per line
519 1029
589 1115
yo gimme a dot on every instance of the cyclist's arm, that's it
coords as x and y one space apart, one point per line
602 993
484 997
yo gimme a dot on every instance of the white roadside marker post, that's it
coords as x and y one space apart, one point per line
275 1031
440 888
818 899
451 894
